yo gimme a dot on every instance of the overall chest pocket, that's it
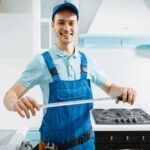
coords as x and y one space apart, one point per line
71 94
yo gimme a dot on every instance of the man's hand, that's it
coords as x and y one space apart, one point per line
14 101
26 106
128 95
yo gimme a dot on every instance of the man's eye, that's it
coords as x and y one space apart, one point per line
61 23
71 23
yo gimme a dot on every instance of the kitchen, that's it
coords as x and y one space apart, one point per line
120 47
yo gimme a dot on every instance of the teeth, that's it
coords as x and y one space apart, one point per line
65 34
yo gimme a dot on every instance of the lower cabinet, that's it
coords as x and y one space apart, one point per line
122 140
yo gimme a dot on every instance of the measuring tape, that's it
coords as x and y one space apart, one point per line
76 102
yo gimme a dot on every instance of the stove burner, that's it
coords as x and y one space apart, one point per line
120 116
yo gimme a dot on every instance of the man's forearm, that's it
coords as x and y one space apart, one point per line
112 89
13 94
9 99
115 90
128 94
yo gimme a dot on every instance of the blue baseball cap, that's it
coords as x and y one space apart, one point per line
65 5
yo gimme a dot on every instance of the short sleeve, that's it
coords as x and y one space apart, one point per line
96 74
31 76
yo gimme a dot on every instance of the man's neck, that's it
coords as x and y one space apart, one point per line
69 48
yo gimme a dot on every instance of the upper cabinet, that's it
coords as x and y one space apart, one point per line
24 31
15 6
16 26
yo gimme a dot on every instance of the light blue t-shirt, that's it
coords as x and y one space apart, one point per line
68 67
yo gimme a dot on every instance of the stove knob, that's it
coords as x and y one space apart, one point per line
117 120
129 120
134 120
123 120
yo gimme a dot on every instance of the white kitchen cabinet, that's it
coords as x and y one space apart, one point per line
23 32
15 29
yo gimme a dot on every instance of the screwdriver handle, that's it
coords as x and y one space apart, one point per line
119 98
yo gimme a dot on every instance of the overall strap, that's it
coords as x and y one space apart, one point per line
51 66
83 66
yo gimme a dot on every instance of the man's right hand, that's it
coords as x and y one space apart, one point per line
26 106
14 100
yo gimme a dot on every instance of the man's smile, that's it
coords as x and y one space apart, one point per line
66 35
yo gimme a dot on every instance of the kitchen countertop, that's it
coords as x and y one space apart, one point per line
11 139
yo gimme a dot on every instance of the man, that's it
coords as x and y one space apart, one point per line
64 74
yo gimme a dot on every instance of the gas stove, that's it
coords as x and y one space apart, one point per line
121 116
122 139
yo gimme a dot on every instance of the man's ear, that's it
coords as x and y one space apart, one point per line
78 25
52 25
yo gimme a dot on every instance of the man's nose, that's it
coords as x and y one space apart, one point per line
66 26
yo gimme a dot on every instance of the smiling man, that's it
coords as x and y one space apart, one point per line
65 26
64 73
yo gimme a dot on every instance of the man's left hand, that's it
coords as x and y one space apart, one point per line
128 95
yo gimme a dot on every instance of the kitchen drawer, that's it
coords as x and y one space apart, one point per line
126 137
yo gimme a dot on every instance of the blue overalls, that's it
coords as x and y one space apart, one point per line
63 124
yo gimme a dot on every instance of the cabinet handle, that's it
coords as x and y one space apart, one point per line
127 138
143 138
111 138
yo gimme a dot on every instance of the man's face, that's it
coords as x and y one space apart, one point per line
65 26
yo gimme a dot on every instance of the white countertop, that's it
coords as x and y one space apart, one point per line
12 139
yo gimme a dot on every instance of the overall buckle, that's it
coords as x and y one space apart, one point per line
84 138
81 140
